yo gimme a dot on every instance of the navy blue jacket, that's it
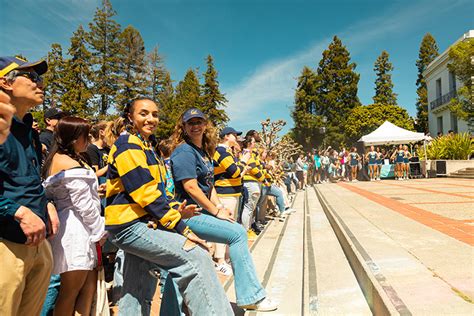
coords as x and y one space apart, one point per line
20 180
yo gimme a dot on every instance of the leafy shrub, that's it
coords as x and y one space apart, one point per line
451 147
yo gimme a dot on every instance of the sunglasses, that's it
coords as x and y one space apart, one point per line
196 123
33 76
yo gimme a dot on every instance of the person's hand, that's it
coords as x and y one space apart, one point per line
195 239
102 189
225 214
103 239
31 225
6 114
53 222
188 211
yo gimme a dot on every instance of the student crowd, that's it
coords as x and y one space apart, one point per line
72 189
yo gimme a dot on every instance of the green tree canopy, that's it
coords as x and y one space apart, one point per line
461 63
428 52
307 123
78 77
104 39
188 92
54 77
336 91
365 119
213 101
133 71
383 83
169 112
156 73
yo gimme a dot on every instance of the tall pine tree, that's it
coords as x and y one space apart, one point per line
169 112
54 77
188 92
78 76
306 130
213 101
383 83
104 39
336 92
156 73
428 52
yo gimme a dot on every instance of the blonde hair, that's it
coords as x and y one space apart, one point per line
113 130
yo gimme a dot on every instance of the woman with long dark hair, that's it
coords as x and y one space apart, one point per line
72 185
137 202
193 172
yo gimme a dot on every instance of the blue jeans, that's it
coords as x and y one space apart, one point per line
275 191
192 271
253 189
247 286
51 295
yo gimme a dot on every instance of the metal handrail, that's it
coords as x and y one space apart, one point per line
443 99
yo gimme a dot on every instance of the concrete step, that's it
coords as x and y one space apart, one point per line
332 287
461 175
413 268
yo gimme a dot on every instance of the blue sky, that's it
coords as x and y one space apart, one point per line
259 46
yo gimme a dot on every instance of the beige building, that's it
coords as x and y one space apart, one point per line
442 86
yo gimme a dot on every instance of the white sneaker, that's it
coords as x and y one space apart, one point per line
224 268
265 305
289 211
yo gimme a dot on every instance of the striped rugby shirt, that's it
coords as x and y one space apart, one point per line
256 172
227 172
136 181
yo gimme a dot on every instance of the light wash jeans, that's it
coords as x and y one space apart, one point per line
247 286
275 191
251 203
192 271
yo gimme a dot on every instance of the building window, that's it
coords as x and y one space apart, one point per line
454 122
452 81
440 124
438 89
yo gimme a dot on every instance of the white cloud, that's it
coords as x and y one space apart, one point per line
275 81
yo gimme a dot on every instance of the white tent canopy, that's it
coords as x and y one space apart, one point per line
390 134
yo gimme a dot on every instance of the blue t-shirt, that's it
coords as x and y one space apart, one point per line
191 162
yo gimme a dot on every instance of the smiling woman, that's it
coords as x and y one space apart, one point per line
136 194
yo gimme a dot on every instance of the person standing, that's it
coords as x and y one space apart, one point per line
72 184
51 118
371 156
354 158
26 218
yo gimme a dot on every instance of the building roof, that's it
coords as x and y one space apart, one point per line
444 55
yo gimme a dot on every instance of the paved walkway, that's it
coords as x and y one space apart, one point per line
384 247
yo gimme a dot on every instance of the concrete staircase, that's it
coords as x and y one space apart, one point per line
466 173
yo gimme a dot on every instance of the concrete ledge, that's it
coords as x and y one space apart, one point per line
379 302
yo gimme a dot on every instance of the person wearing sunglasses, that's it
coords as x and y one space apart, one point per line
193 172
26 218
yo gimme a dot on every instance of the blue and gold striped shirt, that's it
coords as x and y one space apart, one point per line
256 172
136 186
227 172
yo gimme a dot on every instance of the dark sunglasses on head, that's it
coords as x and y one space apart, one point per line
33 76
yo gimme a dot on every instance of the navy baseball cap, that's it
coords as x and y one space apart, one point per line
54 113
9 63
229 130
193 113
